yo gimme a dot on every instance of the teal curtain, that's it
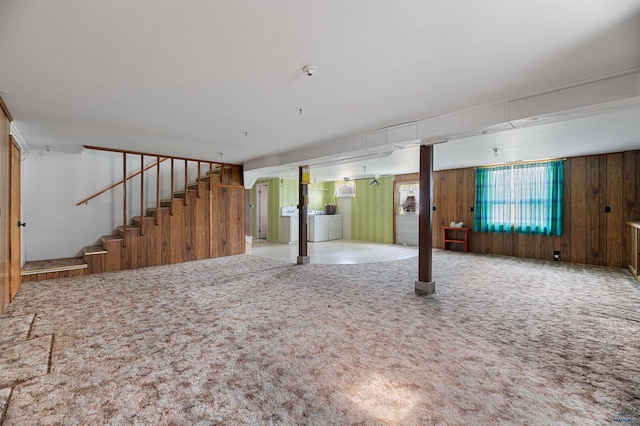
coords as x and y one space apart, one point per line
538 198
527 197
492 210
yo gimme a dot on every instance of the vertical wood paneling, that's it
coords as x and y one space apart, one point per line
114 257
593 210
578 214
176 233
630 203
602 234
470 193
565 240
589 234
97 263
614 223
202 223
190 227
163 231
436 230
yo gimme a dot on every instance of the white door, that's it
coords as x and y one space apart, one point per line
263 211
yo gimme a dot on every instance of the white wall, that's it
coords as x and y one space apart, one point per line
54 182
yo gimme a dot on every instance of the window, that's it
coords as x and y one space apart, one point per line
525 197
345 189
408 198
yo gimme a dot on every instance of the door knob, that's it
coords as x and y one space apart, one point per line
21 223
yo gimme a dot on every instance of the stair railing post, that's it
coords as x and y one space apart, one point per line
198 181
210 174
186 182
172 187
158 192
142 195
124 199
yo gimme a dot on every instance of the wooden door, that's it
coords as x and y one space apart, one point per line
14 213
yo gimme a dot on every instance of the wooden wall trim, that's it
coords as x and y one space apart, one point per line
4 108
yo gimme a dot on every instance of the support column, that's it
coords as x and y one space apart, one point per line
425 284
303 203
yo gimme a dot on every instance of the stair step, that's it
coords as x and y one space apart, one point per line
91 250
130 230
151 211
53 265
106 238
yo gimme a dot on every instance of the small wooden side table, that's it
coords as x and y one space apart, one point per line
447 237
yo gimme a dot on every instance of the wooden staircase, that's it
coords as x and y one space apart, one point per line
205 221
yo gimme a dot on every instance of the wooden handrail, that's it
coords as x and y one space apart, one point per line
98 148
86 200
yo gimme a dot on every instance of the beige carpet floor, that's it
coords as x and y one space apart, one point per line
250 340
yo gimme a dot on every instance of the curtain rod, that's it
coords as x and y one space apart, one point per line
514 163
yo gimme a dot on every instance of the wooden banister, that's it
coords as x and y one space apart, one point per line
142 195
124 199
97 194
198 182
98 148
158 191
186 181
172 186
156 164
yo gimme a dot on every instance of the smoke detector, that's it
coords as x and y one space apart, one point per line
309 70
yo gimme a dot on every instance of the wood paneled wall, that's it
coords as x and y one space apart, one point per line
590 234
5 192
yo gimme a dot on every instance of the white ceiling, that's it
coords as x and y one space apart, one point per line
189 78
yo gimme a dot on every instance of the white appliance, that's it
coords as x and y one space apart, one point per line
325 227
289 225
407 229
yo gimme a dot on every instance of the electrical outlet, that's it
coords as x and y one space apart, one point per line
607 209
434 208
470 208
556 255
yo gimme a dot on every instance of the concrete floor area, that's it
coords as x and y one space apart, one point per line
335 252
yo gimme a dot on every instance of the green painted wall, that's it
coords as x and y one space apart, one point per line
372 211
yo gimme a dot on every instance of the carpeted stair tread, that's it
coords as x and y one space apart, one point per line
129 228
151 211
91 250
53 265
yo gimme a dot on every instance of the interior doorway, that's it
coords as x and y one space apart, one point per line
407 204
263 211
